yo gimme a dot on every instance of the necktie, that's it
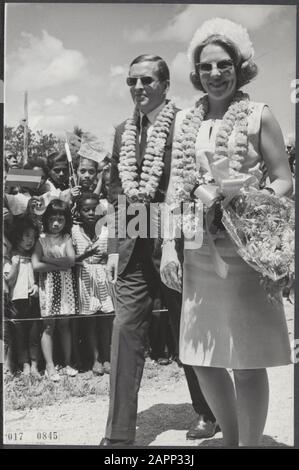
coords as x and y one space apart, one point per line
143 136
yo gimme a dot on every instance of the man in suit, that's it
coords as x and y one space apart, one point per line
134 261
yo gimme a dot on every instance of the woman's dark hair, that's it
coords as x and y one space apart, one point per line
19 226
246 70
58 207
84 197
77 161
37 162
162 67
56 157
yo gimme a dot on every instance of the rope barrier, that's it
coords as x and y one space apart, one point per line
63 317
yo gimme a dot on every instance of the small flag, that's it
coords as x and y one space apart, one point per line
27 178
90 152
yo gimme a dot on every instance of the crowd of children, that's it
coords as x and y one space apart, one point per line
54 266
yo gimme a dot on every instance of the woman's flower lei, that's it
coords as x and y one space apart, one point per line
144 189
186 174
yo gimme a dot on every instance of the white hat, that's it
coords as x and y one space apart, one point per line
236 33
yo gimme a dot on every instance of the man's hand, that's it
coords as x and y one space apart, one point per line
170 267
112 267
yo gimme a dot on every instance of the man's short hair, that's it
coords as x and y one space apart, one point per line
162 67
56 158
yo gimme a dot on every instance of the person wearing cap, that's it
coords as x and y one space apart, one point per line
140 174
227 320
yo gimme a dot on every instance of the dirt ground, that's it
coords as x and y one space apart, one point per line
164 412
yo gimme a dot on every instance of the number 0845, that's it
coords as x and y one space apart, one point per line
47 436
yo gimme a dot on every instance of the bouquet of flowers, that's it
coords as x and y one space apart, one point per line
263 228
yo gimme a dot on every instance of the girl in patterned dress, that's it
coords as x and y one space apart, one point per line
53 259
91 251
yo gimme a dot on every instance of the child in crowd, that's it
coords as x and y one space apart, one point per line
55 183
58 171
6 257
17 202
53 259
23 288
12 157
91 251
87 175
36 204
38 163
58 183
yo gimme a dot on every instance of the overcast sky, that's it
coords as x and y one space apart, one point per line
73 59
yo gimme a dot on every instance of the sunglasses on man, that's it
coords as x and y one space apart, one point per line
131 81
222 66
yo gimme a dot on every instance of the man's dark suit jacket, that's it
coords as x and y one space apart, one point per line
125 246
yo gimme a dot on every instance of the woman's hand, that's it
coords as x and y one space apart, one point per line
273 151
170 267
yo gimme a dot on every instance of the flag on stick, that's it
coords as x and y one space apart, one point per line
92 153
27 178
73 179
25 121
74 142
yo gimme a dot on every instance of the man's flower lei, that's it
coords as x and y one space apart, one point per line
144 189
186 174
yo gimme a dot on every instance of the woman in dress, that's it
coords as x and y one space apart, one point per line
227 320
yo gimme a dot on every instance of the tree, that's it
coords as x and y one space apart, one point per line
78 131
39 143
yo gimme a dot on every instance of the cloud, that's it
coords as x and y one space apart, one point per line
180 68
49 101
183 25
117 87
43 62
70 100
52 115
138 35
116 70
183 103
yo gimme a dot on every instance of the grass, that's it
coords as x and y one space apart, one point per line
23 392
26 392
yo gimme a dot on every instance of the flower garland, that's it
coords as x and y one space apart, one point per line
186 173
144 189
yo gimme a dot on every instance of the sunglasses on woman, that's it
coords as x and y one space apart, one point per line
131 81
223 66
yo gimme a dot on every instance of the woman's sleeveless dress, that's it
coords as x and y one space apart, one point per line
57 289
228 323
